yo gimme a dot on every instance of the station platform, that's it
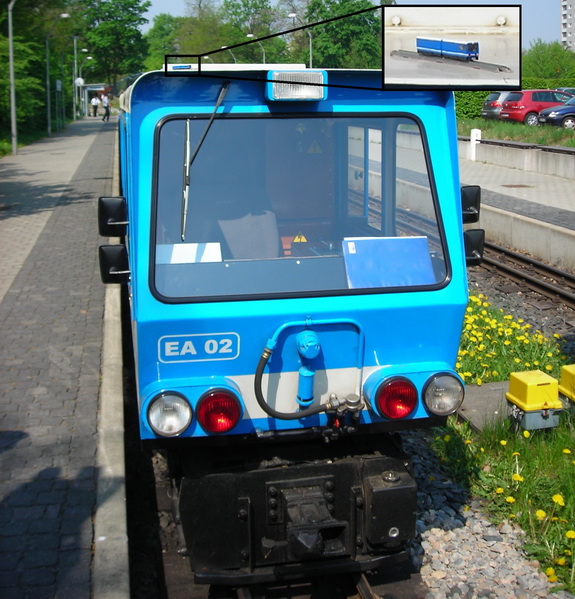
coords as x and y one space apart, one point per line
62 500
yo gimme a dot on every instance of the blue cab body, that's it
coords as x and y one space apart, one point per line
297 286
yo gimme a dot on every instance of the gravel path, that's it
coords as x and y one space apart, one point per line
461 555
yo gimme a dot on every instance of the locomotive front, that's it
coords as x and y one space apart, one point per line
296 267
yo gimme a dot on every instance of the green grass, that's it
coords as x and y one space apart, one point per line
544 135
495 344
524 476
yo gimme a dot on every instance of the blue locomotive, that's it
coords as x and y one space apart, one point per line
292 241
431 46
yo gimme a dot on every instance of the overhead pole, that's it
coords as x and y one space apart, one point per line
13 129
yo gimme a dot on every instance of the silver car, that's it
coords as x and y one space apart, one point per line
492 105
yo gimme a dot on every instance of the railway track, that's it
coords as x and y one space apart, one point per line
531 273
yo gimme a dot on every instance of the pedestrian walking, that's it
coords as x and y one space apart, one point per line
106 105
95 102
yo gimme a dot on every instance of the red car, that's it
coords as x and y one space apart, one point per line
524 106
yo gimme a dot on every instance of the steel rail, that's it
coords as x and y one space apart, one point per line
533 282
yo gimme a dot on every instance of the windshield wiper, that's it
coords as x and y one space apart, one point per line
189 160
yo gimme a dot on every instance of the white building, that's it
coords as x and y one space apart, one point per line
568 24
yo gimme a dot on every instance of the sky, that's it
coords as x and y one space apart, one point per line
541 18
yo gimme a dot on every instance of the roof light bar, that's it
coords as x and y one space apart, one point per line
297 85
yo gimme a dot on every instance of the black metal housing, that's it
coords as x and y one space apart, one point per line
285 517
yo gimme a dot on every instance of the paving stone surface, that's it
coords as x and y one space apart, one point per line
51 314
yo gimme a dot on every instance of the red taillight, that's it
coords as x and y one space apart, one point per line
495 104
396 398
218 411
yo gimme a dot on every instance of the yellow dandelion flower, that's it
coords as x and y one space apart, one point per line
540 515
526 434
550 571
447 438
503 442
518 478
499 490
560 561
515 454
558 499
548 367
567 451
570 534
552 578
510 499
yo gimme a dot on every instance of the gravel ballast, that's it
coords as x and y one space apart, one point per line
459 552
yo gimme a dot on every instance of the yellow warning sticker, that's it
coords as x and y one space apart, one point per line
299 238
314 148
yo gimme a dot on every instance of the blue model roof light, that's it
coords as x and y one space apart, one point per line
297 85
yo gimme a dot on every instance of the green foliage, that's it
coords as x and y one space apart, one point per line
495 344
30 89
548 61
162 39
468 104
524 477
113 35
547 135
351 42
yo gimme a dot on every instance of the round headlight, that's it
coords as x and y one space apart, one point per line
169 414
443 394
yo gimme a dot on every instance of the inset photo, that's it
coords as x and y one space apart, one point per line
452 47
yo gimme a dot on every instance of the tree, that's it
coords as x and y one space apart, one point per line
351 42
163 38
113 35
548 61
256 18
30 89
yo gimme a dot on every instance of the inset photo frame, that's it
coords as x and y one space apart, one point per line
452 47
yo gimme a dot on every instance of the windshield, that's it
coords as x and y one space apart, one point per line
293 205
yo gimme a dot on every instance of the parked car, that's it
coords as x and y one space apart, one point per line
524 106
492 105
569 90
561 116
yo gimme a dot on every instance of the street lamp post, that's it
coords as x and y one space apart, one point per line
82 65
260 45
13 129
226 48
294 16
74 75
63 15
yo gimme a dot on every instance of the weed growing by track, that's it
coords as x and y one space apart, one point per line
527 477
495 344
543 135
524 477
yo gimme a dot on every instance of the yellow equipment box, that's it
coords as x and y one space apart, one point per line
533 390
567 384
